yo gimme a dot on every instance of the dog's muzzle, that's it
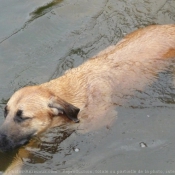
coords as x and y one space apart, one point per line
7 144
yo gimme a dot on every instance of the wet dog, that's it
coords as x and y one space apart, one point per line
90 90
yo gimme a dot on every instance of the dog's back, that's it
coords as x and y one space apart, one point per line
130 64
156 41
120 70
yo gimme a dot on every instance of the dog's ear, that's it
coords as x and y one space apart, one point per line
59 106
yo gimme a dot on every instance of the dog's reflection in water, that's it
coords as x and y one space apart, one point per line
38 150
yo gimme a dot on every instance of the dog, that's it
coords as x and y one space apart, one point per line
89 92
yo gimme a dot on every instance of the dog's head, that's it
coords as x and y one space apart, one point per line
30 111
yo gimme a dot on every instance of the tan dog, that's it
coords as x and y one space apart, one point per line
89 91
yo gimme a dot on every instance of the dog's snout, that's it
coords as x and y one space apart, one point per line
3 140
10 142
5 143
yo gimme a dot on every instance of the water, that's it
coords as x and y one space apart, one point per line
40 40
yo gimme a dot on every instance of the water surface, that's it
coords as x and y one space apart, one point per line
39 41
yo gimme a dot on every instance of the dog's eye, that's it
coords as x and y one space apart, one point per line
19 113
5 112
19 118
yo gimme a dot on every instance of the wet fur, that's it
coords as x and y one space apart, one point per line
90 92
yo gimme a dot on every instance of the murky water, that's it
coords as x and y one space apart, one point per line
40 40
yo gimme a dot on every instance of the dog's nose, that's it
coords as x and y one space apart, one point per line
5 143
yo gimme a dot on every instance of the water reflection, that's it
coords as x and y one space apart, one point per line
43 10
38 150
34 15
